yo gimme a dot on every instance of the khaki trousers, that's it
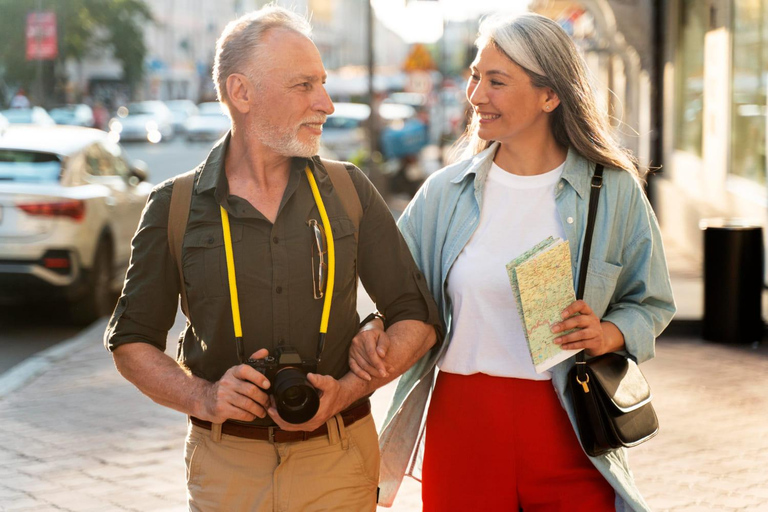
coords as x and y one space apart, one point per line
339 471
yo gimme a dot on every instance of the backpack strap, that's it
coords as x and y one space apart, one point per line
346 190
181 199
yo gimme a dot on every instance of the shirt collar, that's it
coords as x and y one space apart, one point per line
213 176
576 172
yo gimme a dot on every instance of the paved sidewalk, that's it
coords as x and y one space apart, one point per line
76 436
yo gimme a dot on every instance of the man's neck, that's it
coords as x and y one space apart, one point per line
256 173
249 160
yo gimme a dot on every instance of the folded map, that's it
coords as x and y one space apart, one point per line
542 283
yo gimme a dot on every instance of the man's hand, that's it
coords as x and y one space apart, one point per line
368 350
594 336
333 400
238 395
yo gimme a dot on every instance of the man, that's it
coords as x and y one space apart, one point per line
241 455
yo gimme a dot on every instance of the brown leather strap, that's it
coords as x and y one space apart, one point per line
276 435
346 190
181 199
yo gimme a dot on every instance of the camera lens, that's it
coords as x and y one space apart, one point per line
297 400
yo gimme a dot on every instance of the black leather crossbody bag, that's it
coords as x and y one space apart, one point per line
610 395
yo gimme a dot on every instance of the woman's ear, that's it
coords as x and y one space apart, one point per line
239 91
551 100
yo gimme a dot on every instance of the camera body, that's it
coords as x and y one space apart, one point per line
297 400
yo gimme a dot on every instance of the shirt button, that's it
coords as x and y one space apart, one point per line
276 240
569 220
560 186
279 289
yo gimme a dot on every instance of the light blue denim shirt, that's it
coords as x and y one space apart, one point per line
627 284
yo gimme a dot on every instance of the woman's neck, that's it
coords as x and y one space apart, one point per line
530 158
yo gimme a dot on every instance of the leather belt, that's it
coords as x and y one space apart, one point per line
276 434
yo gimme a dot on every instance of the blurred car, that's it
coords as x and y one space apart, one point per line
210 123
147 121
345 131
3 123
33 115
70 202
181 111
74 114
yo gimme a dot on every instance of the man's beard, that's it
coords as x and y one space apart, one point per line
285 141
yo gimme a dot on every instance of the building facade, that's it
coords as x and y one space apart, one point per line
714 87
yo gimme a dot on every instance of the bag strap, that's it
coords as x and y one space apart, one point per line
178 215
594 198
346 190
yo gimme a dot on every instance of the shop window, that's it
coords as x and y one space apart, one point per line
689 65
750 65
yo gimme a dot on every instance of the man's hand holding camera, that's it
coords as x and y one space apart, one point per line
240 394
333 400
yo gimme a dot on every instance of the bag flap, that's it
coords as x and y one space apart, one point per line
622 381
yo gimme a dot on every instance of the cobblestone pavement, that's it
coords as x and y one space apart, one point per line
78 437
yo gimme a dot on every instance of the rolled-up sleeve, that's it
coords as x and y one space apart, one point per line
148 303
385 264
644 304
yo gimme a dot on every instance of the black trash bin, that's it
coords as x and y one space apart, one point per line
733 281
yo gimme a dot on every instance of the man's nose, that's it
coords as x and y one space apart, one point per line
324 103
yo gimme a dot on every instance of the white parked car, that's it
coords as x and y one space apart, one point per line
70 202
210 123
145 121
32 115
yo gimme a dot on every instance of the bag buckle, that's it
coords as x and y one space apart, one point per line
583 383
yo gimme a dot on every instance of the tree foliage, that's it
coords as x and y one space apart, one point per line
85 28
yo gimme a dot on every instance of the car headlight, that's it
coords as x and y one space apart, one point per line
151 126
115 126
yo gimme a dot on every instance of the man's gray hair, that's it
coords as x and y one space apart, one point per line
239 45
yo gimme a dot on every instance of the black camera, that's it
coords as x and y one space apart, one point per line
297 400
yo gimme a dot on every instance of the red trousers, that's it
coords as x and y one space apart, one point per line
502 444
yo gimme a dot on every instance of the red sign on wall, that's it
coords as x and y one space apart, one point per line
42 43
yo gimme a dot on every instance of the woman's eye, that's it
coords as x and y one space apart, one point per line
494 82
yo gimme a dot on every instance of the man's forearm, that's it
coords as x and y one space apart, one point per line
409 341
160 378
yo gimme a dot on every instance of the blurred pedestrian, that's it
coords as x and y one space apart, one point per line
20 100
270 235
499 435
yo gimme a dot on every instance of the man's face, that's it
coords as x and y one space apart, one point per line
290 105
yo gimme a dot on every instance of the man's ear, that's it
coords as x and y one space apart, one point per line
240 91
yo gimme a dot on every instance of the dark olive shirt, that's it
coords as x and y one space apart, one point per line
274 272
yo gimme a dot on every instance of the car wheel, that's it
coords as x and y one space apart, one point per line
98 299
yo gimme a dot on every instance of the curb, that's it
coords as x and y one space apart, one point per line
34 366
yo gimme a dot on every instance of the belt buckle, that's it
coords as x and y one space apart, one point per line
271 434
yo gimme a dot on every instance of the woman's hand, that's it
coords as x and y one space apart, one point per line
594 336
368 350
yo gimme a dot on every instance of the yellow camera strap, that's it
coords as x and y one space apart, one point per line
234 302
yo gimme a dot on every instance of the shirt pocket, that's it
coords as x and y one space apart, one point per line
601 285
345 247
205 264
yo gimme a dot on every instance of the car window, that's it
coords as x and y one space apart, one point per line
29 166
118 158
99 161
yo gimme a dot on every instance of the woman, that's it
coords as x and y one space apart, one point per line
499 436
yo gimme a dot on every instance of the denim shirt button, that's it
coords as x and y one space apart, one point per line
569 220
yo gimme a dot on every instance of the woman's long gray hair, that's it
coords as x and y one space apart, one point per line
546 53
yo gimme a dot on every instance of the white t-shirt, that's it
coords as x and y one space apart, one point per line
488 336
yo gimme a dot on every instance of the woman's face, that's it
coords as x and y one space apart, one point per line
509 107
